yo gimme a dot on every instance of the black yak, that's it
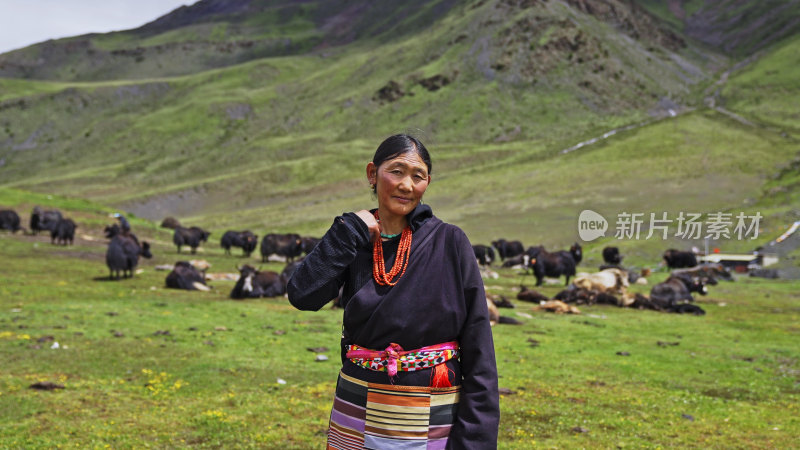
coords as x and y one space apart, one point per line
677 289
185 276
63 233
245 240
123 254
557 263
712 271
44 220
288 246
677 259
508 249
484 254
170 222
611 256
111 230
253 283
9 220
190 236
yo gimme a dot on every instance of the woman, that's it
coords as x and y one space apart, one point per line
418 364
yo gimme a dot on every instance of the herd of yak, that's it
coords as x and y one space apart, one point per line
608 286
125 249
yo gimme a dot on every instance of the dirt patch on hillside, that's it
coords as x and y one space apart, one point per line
630 19
187 202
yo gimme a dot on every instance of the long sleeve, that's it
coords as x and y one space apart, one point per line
476 426
322 272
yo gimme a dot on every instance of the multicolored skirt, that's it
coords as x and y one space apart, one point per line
378 416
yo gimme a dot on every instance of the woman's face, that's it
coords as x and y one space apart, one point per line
400 183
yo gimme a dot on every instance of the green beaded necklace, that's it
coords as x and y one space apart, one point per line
390 236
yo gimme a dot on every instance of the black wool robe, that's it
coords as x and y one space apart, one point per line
440 298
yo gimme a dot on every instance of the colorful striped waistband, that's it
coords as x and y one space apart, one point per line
394 358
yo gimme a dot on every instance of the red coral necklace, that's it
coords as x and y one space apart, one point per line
400 261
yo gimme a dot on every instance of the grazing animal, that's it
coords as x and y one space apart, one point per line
712 271
633 275
677 259
771 274
611 256
185 276
525 260
515 261
642 302
557 263
170 222
687 308
245 240
501 301
508 249
123 254
580 296
63 233
111 230
189 236
610 281
9 220
308 243
530 295
557 307
495 317
253 283
484 254
494 313
44 220
288 246
677 289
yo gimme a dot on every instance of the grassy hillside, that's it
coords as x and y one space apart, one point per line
738 28
767 91
211 34
496 90
703 161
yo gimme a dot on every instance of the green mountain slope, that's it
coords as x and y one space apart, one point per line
581 77
736 27
213 33
768 91
496 89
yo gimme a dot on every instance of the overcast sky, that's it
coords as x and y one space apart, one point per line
26 22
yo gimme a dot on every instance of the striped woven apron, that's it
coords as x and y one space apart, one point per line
380 416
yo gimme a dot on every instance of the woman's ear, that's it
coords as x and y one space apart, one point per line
372 173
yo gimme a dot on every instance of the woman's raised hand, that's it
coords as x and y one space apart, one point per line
372 224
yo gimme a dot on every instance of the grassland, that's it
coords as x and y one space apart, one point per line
142 365
215 172
279 144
